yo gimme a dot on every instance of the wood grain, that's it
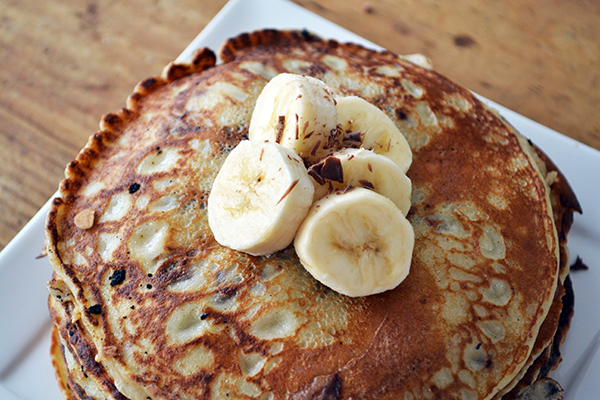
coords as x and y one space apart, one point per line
65 63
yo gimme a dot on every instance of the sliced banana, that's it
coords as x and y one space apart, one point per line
377 131
259 198
357 243
362 168
297 112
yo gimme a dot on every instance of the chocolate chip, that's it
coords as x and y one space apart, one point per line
333 134
347 189
279 129
315 172
366 184
355 138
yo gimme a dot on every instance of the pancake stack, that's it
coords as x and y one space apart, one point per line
147 305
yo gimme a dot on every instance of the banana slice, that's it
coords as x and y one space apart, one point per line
357 243
362 168
259 198
297 112
377 130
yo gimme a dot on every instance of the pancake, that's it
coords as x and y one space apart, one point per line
162 311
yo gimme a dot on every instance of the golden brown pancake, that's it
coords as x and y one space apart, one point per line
162 311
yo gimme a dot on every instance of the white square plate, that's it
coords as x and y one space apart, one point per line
25 370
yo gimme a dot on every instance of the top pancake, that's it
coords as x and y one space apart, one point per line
172 314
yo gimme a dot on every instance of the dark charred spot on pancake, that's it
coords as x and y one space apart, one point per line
134 187
401 114
296 35
434 223
332 390
227 293
244 39
305 34
148 84
204 58
579 265
175 71
73 167
270 35
95 309
134 98
96 139
225 138
182 129
317 70
111 119
552 389
227 54
117 277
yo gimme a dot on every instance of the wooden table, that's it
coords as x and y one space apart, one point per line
64 63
